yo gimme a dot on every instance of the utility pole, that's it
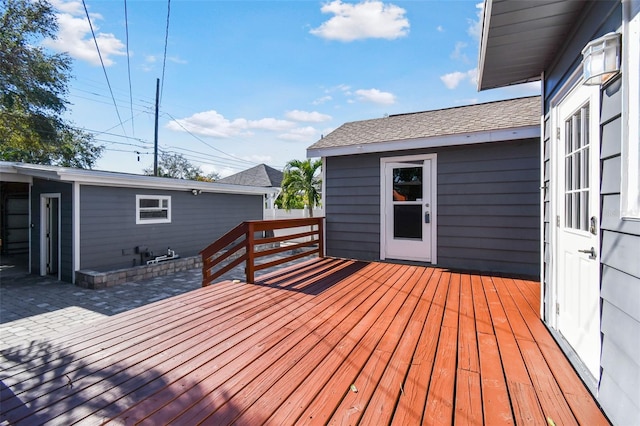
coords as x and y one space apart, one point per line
155 135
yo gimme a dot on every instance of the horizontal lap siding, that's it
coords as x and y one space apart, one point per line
352 210
620 242
109 233
488 206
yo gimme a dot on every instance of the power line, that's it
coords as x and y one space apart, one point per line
126 29
166 42
110 103
212 157
102 63
210 146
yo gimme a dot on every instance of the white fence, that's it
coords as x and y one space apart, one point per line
270 214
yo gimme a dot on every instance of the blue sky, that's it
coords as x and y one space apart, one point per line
249 82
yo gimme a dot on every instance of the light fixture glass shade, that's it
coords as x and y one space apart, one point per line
601 59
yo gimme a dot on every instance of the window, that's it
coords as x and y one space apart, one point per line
153 209
577 170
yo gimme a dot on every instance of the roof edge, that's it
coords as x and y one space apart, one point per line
113 179
482 48
502 135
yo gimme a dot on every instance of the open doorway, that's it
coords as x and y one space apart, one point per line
14 228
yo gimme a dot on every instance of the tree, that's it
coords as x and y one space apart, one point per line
33 86
174 165
300 180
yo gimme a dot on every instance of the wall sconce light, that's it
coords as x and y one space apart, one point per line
601 59
196 191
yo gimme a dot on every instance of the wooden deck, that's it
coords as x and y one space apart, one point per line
328 341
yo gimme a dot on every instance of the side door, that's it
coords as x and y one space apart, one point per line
578 205
407 211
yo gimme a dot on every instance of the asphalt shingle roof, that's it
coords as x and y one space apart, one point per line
508 114
260 175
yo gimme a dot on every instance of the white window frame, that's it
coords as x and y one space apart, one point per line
160 198
630 194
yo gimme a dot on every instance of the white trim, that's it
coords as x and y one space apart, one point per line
8 176
542 192
482 54
431 142
434 197
630 185
323 199
123 180
30 229
43 238
160 198
75 230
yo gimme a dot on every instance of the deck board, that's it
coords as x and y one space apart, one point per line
420 345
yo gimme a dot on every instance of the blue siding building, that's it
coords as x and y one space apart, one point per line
591 176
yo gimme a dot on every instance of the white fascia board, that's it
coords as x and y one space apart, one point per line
432 142
484 36
12 176
102 178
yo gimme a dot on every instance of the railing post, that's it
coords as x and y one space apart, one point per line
205 271
321 237
250 267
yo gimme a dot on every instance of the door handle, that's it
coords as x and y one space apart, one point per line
427 217
591 252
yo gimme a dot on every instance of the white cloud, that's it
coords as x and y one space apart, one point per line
368 19
440 28
212 123
322 100
74 36
300 134
310 117
176 60
458 52
475 26
452 80
376 96
272 124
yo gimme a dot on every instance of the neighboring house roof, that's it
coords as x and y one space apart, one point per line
25 172
488 122
260 175
521 38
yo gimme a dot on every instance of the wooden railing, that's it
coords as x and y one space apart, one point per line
240 244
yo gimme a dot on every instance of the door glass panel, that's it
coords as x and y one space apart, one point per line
407 184
407 221
576 162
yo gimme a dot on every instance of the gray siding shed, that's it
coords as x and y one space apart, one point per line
488 206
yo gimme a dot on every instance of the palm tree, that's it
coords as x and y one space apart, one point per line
300 180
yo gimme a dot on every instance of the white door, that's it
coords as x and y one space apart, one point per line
407 218
578 244
50 235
